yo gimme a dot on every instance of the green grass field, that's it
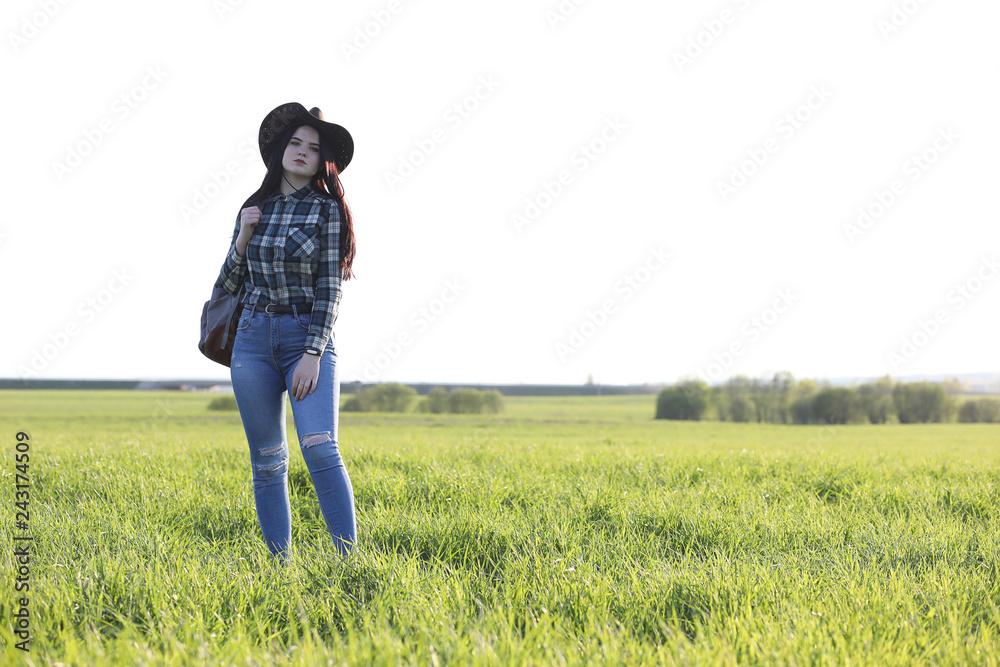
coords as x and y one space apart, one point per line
566 531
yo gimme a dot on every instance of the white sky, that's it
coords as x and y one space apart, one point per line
199 82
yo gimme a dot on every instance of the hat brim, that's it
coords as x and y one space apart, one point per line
294 114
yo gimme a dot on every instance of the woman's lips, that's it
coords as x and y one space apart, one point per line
300 161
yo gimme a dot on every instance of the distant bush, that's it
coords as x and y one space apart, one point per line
388 397
436 401
802 410
493 401
223 403
922 402
837 405
745 399
983 410
876 400
468 401
989 410
352 404
462 401
782 400
685 400
740 408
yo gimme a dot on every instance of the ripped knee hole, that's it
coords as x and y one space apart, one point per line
314 439
272 467
271 451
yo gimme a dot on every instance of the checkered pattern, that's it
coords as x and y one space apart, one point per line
293 258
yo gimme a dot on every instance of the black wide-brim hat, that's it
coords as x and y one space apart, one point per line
294 114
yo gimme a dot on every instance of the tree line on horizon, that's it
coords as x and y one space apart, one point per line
397 397
783 400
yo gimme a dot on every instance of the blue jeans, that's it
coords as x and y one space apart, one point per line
266 351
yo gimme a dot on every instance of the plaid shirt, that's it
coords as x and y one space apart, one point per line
293 258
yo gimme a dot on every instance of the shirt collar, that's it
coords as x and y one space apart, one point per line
298 195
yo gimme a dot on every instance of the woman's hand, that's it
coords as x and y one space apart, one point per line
249 217
306 376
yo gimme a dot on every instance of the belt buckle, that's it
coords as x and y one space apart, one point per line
267 309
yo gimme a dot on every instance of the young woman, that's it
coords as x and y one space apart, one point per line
293 244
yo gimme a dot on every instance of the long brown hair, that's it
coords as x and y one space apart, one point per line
326 176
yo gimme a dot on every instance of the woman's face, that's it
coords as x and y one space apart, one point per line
301 158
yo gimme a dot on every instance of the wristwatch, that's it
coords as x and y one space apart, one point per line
313 351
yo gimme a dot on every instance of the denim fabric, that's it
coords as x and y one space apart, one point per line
265 354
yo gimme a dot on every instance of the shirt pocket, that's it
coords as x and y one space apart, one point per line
302 242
